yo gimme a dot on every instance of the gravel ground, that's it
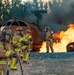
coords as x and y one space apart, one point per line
48 64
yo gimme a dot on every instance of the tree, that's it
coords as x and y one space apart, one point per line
1 8
6 10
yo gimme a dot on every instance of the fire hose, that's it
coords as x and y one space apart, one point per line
18 57
27 61
7 71
26 66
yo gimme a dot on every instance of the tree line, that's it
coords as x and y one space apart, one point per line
61 12
8 9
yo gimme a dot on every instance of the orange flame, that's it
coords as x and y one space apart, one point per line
64 37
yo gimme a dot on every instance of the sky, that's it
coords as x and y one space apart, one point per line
26 0
42 0
32 0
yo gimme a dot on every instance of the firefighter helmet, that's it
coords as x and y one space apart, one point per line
47 28
6 31
18 29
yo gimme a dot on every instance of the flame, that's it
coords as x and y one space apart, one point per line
64 37
43 48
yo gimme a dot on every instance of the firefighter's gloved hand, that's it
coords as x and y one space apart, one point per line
7 53
30 49
25 43
51 40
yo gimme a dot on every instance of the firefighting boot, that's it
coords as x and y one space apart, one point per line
13 64
47 48
52 49
9 63
25 59
1 72
47 52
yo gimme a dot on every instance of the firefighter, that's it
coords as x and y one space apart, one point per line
6 38
26 43
19 31
49 40
16 48
3 58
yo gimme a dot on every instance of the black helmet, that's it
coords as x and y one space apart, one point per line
6 31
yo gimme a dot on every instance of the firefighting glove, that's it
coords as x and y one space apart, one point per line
7 53
24 43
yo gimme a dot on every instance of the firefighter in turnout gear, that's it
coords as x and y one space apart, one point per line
16 48
6 38
19 31
26 43
49 40
3 58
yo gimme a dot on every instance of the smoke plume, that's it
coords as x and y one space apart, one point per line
62 13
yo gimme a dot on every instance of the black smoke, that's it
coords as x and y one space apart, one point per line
61 15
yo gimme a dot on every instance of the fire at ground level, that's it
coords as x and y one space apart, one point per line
64 41
69 48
